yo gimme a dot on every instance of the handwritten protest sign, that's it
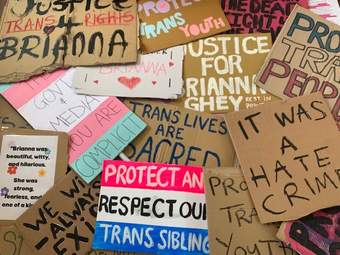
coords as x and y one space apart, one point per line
291 168
12 242
219 72
63 220
31 161
9 117
265 16
315 234
39 36
157 75
328 9
310 61
178 136
232 218
99 127
165 24
164 205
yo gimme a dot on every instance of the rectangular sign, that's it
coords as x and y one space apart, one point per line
253 16
178 136
304 60
31 161
39 36
165 24
162 204
232 218
328 9
220 71
156 75
288 152
99 127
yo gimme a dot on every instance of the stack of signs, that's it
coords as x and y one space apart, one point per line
38 37
317 233
63 221
328 9
31 161
156 75
233 224
151 208
178 136
310 62
99 127
265 16
9 117
166 24
291 168
219 73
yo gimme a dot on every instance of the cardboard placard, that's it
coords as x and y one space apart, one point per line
9 117
219 73
328 9
64 219
32 161
315 234
163 204
12 242
232 218
288 152
253 16
41 37
99 127
301 62
178 136
164 24
156 75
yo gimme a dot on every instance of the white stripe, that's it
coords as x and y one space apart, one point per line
175 221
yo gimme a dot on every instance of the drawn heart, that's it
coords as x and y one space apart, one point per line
171 64
96 82
49 29
154 82
129 82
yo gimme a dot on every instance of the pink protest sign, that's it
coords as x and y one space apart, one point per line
252 16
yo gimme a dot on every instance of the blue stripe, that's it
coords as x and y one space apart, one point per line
150 239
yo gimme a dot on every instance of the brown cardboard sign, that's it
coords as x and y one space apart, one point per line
175 135
220 71
42 36
165 24
304 59
9 117
288 152
63 221
12 242
232 218
32 161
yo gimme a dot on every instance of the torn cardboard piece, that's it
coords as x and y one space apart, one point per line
232 218
156 75
12 242
291 168
32 162
310 62
252 16
99 127
314 234
164 204
164 24
175 135
220 71
35 40
9 117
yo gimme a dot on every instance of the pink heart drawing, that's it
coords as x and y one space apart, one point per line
154 82
96 82
129 82
171 64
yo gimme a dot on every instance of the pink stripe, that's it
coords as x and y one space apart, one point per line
142 175
95 125
20 93
319 5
